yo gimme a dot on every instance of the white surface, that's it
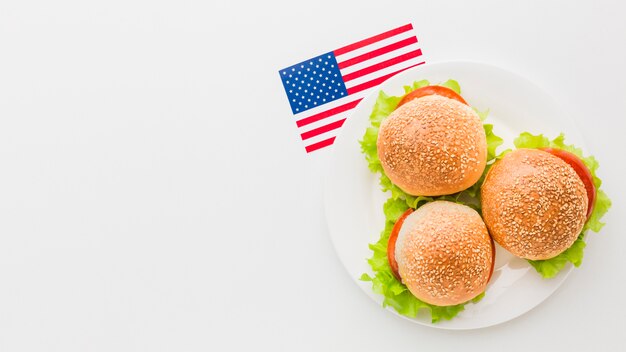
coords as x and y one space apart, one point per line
155 195
353 200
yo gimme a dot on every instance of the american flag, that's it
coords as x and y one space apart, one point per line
323 89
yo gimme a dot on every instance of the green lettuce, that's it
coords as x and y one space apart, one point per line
384 282
551 267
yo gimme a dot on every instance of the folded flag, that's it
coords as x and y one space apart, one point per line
323 89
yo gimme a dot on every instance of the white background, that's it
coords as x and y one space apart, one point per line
155 195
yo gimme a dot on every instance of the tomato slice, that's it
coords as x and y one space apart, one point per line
581 170
432 90
391 245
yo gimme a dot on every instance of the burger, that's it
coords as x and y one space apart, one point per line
535 202
442 252
433 143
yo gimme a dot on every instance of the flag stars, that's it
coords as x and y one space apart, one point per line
308 86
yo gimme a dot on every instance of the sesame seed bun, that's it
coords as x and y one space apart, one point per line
444 253
534 204
432 146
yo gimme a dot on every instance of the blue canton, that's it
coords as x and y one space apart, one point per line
313 82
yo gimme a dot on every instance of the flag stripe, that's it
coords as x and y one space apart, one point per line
319 145
373 39
382 72
378 59
315 132
381 65
377 52
324 114
377 81
374 46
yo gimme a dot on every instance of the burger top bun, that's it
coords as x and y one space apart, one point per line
432 146
444 253
534 204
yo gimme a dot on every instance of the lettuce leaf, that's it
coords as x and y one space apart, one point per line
383 282
452 84
551 267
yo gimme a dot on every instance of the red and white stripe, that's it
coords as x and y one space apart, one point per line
364 65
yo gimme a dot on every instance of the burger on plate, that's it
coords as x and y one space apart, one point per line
442 252
535 202
433 143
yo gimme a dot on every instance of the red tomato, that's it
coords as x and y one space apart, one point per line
581 170
432 90
391 245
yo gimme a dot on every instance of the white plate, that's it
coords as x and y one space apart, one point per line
353 199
